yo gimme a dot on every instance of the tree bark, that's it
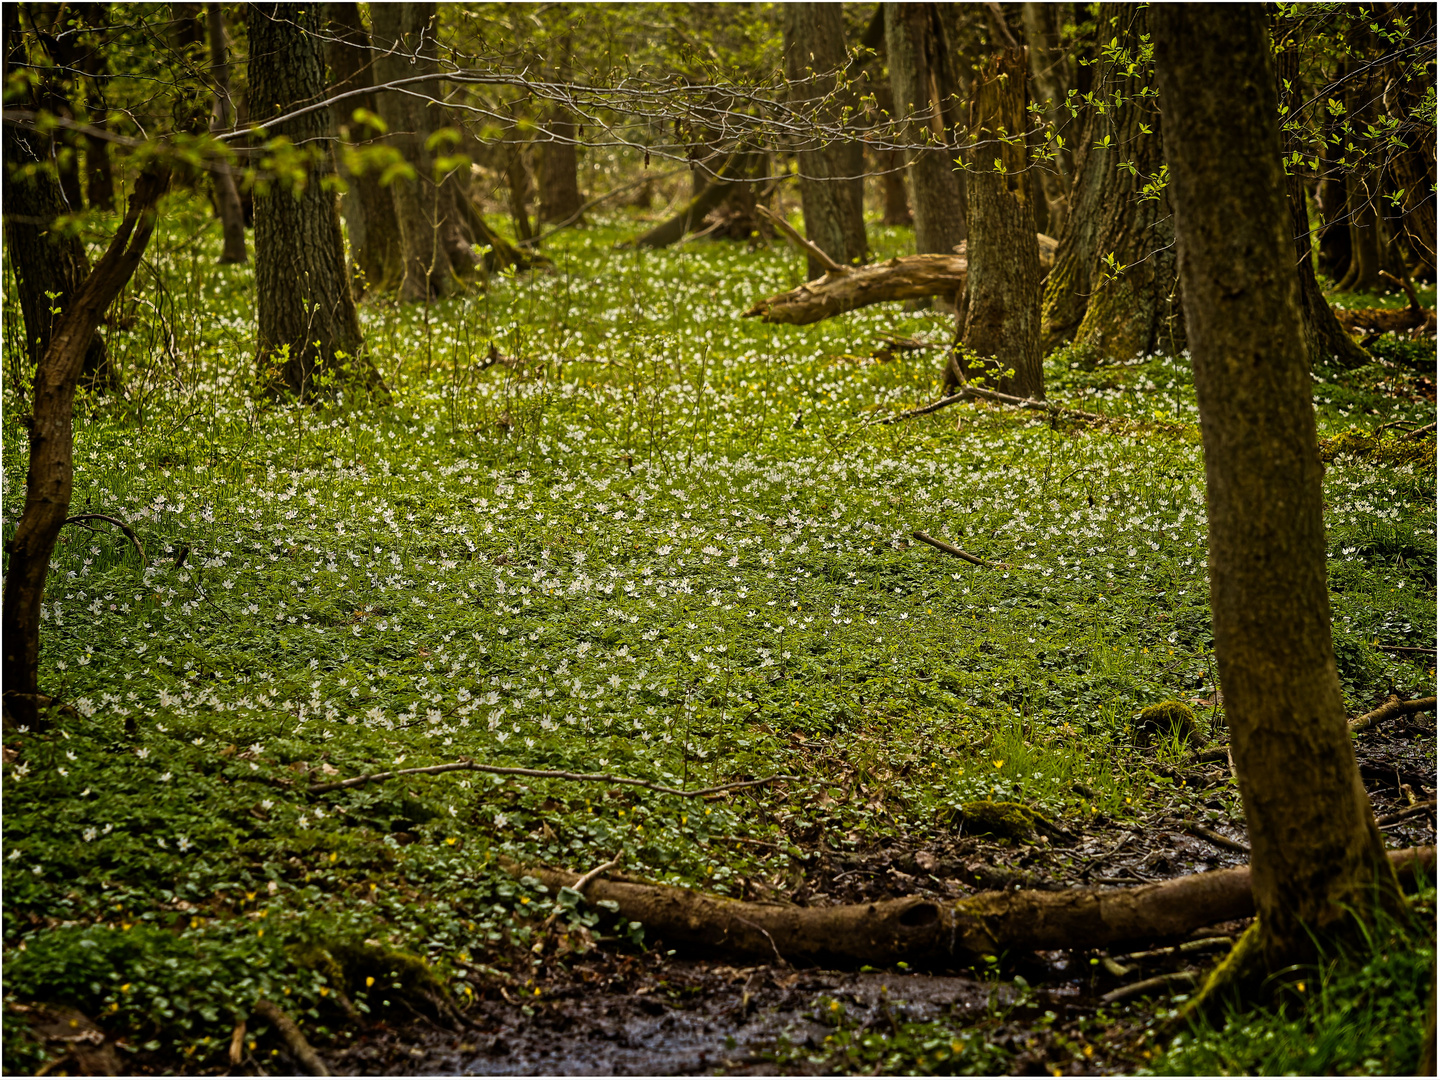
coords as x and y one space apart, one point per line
49 264
1317 856
727 177
368 208
832 192
1000 323
1050 70
308 325
923 83
49 479
559 158
227 195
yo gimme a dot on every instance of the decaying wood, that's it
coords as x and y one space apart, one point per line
844 288
1368 323
465 765
920 930
1392 708
295 1040
949 549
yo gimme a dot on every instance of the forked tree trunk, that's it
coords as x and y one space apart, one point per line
49 480
559 158
923 83
227 195
1000 320
832 192
49 264
1317 856
369 209
308 325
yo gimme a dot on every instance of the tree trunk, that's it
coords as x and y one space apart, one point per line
1000 323
307 317
1317 856
369 209
1364 272
559 158
1325 339
227 195
923 83
435 255
49 479
832 192
517 182
693 213
83 57
49 264
1050 70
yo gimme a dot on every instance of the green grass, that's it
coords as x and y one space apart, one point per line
661 545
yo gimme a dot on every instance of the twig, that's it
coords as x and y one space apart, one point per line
1392 708
979 392
1159 982
237 1043
1198 945
596 201
808 245
949 549
1404 648
585 879
1405 284
1408 812
1101 858
294 1039
1216 838
1421 431
76 519
544 774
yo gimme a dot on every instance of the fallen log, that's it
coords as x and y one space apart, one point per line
908 277
919 930
1392 708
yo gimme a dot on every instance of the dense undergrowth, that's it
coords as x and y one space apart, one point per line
653 540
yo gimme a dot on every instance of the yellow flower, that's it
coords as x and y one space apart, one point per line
999 763
369 980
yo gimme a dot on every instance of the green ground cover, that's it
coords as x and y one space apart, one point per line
662 544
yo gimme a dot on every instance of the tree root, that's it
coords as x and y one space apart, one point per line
922 931
295 1040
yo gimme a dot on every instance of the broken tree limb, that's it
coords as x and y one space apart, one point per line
1148 986
1392 708
811 248
693 213
79 519
465 765
908 277
920 930
949 549
979 393
295 1040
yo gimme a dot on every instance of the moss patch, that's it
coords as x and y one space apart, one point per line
1012 820
1383 448
1167 719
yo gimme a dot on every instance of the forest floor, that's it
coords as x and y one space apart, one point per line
659 542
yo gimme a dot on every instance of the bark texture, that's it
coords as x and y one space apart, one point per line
728 177
832 192
1000 323
49 479
227 195
923 83
369 209
49 264
307 317
559 158
1317 854
1052 79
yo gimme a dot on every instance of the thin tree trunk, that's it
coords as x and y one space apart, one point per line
1050 70
517 182
308 323
1000 322
832 191
559 158
227 195
368 208
49 479
1317 856
923 83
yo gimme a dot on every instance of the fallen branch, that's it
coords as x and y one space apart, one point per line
1159 982
1217 838
649 178
949 549
808 246
585 879
920 930
1392 708
1408 812
966 393
543 774
845 288
76 519
295 1040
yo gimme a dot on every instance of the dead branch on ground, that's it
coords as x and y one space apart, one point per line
465 765
1392 708
949 549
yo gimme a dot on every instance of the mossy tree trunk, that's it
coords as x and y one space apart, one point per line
923 84
832 192
1317 856
369 209
308 323
1000 317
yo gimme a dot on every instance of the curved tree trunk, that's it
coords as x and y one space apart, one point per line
559 158
369 209
1133 305
49 479
49 264
832 192
923 83
1001 312
227 195
307 317
1317 856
